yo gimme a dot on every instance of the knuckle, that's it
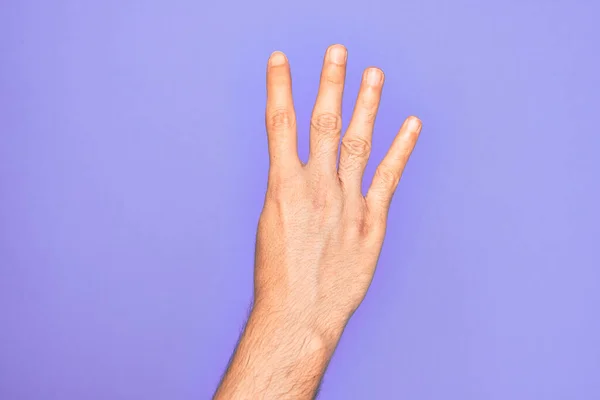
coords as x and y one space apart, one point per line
387 176
359 224
280 196
323 195
327 123
376 228
368 109
283 187
319 197
334 79
280 118
275 190
356 146
319 202
370 116
276 186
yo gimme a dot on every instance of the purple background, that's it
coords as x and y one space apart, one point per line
133 166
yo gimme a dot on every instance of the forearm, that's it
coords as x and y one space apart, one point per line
279 356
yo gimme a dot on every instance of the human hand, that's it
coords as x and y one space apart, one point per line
319 238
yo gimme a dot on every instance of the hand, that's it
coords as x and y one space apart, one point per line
318 237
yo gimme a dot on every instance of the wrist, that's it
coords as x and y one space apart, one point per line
277 350
316 333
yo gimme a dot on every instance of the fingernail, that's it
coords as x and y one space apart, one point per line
374 76
337 54
414 123
277 58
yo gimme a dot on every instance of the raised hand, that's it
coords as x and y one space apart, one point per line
318 237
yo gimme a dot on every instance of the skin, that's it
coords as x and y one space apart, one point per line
318 238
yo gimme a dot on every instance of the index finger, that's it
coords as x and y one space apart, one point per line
388 173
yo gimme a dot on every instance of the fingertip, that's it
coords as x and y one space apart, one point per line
338 46
277 58
414 124
374 76
337 53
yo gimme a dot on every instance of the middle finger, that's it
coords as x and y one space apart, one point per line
326 120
